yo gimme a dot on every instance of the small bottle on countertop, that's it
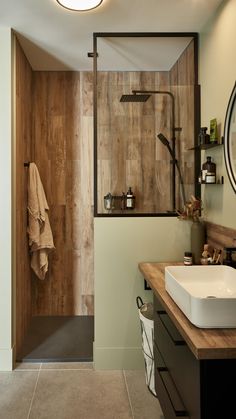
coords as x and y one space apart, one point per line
188 258
205 255
130 199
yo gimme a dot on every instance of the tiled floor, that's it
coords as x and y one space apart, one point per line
75 391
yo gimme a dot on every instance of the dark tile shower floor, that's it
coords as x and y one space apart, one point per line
59 339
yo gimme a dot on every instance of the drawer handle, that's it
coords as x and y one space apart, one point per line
178 412
178 342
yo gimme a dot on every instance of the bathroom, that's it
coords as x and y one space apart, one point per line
120 242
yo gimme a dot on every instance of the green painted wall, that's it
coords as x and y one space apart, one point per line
6 199
120 244
217 78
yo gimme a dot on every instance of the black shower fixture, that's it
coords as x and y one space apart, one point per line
166 143
135 98
143 96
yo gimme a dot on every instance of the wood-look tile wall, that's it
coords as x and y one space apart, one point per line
219 237
63 152
23 153
129 153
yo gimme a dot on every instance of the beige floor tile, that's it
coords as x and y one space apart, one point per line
27 366
81 395
67 366
144 404
16 391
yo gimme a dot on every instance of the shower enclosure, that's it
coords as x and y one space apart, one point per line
54 129
134 109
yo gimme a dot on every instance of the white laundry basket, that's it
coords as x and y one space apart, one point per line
147 326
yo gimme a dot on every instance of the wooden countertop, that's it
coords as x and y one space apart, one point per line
204 343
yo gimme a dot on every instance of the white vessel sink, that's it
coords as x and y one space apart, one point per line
205 294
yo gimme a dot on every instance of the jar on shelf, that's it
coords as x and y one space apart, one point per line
208 171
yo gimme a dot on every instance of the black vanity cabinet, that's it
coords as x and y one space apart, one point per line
187 387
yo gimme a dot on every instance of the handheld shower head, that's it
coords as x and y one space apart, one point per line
163 139
166 143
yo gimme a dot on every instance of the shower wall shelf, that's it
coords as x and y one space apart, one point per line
116 202
220 181
207 146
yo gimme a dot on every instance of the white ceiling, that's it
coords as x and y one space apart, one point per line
56 39
134 54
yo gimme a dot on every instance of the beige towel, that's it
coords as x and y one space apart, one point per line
39 230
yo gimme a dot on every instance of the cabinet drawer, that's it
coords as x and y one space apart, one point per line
158 360
168 396
182 366
161 315
164 323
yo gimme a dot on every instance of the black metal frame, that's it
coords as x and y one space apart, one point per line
94 55
228 159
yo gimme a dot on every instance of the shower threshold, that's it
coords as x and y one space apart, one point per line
59 339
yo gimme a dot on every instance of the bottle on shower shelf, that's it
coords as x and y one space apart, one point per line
130 199
203 137
209 171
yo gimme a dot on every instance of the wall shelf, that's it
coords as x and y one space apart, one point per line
220 181
207 146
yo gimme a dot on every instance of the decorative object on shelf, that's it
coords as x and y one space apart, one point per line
130 199
192 212
205 255
80 5
197 240
115 202
203 137
213 131
208 173
108 201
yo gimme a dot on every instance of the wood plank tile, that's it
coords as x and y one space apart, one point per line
23 153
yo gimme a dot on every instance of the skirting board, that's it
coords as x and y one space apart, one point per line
118 358
6 359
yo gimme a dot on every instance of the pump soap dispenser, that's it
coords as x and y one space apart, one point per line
130 199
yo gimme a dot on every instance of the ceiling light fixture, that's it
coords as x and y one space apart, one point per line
80 5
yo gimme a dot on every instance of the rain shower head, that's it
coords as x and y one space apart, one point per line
135 98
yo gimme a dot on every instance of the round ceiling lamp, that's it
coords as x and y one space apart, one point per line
80 5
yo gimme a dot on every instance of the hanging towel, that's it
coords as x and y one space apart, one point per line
39 230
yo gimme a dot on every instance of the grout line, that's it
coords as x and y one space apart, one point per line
66 369
32 399
127 389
